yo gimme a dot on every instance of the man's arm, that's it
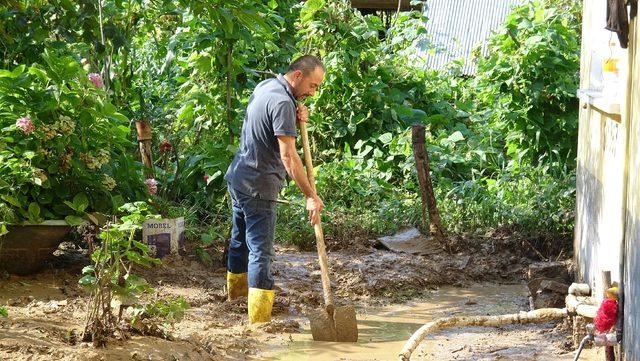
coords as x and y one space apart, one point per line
293 165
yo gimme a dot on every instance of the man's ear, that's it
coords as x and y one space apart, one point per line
297 75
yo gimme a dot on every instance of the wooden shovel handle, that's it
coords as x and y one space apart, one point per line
322 249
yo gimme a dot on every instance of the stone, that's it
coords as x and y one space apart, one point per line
562 270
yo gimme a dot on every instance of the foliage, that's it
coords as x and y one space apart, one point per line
529 80
64 150
110 274
169 311
369 90
531 197
4 312
502 144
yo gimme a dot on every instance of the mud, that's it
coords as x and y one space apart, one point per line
394 294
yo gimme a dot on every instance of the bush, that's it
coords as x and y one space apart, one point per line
64 150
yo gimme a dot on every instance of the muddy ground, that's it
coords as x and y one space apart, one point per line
395 293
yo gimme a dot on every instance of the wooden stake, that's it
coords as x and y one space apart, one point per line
426 187
144 141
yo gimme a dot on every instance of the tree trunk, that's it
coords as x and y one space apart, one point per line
426 187
144 141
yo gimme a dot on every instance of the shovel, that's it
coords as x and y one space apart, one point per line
331 323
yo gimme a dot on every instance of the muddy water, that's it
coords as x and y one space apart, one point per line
384 330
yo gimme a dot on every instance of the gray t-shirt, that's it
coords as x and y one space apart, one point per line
257 169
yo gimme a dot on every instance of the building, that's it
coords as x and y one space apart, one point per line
607 230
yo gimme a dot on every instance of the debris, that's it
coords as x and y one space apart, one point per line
547 293
281 326
410 240
561 270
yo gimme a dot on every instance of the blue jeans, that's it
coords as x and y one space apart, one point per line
251 247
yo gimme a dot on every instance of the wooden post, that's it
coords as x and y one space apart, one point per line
609 353
144 141
426 187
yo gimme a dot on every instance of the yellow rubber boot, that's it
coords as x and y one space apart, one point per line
237 285
260 304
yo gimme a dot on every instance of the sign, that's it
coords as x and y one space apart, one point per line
164 236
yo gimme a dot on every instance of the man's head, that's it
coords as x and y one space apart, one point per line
305 75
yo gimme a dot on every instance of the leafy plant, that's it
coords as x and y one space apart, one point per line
369 88
110 276
530 77
63 146
4 312
502 144
169 311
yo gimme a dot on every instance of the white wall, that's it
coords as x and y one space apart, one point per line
600 180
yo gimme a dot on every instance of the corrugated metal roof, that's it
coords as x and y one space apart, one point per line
455 27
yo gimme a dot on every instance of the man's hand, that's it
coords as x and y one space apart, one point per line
302 113
314 206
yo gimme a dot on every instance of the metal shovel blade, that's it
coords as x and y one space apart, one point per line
343 327
322 327
346 325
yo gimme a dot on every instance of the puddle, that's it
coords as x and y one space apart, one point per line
384 330
41 287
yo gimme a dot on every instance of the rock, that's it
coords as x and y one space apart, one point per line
554 286
562 270
471 301
548 300
547 293
51 306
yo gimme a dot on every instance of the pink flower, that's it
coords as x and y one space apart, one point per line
205 177
152 185
25 124
96 79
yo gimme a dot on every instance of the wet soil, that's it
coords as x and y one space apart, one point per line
394 294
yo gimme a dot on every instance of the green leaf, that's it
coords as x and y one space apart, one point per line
74 220
207 239
386 138
80 202
87 280
12 74
4 312
34 212
141 246
88 269
456 136
309 8
11 200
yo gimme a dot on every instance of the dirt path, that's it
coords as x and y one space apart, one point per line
394 293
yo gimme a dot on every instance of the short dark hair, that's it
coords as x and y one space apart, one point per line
306 64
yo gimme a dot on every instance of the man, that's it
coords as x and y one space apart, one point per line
256 176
